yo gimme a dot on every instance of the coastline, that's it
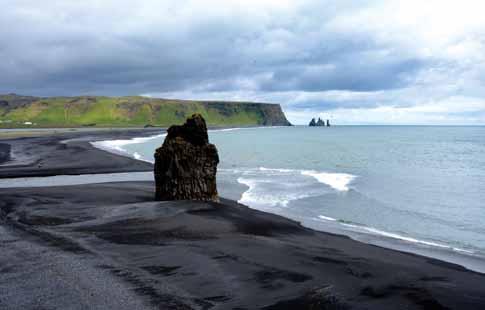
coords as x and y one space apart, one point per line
368 235
208 244
128 167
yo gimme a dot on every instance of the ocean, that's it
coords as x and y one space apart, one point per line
397 186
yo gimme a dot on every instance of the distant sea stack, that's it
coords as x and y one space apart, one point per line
319 123
186 163
133 111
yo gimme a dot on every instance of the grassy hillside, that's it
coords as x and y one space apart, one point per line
25 111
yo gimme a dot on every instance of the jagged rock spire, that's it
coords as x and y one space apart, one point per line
186 163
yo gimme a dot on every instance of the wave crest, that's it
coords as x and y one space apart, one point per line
338 181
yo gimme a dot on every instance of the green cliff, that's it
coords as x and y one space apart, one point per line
26 111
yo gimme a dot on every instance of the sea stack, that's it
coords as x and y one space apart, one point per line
186 163
320 122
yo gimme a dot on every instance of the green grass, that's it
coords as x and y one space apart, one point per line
128 112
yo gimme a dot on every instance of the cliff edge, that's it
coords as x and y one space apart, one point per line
134 111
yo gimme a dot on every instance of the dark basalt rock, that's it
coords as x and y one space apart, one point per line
186 163
320 122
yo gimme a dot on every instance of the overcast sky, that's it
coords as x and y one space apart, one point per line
359 62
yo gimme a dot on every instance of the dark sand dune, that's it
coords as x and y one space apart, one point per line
194 255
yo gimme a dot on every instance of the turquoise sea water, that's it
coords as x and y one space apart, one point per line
417 184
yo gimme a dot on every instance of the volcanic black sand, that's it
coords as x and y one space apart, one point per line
110 246
67 153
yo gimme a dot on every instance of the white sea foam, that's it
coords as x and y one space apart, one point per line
257 196
463 250
271 187
375 231
394 235
137 155
327 218
252 198
338 181
117 146
379 232
276 170
245 128
225 129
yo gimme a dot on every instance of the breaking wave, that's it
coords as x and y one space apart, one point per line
257 196
272 187
117 146
374 231
338 181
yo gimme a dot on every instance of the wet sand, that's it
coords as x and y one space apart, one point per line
110 246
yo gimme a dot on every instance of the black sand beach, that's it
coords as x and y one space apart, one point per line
110 246
67 153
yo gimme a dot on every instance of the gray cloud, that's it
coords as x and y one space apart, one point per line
353 73
106 55
265 50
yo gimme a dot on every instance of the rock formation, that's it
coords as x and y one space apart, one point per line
319 123
186 163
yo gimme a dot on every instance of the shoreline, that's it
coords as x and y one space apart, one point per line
208 244
111 142
470 261
445 252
